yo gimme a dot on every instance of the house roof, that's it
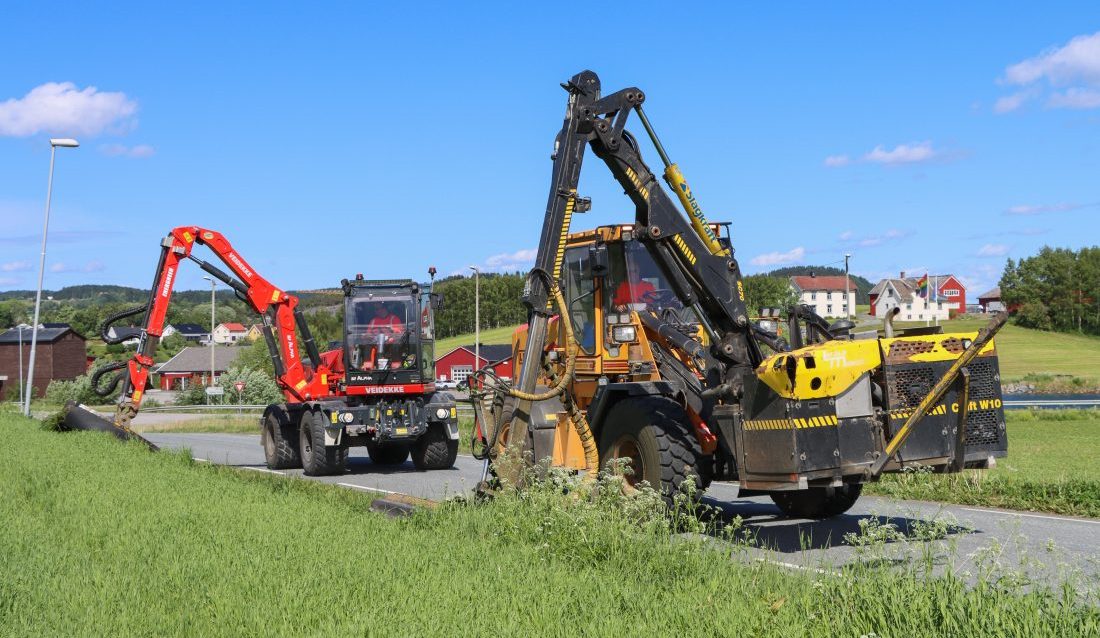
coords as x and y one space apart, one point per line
234 327
993 293
828 282
45 335
190 328
198 360
904 287
490 352
47 324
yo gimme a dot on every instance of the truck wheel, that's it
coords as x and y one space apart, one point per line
433 450
652 432
817 502
278 438
388 454
317 459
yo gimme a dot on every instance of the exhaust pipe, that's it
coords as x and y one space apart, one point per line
888 321
78 417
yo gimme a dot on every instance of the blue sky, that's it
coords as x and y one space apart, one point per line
342 138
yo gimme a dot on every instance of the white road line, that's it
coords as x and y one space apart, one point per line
262 469
368 489
1052 518
195 458
779 563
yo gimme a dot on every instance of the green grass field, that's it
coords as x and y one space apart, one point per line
490 336
102 538
1051 467
232 424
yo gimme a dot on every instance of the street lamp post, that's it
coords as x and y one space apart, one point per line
477 317
54 143
20 328
847 288
213 286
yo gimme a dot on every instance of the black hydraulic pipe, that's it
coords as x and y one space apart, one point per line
221 275
78 417
307 338
273 346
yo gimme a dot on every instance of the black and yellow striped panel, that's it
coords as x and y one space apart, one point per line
823 421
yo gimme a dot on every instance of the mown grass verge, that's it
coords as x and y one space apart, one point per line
102 538
1051 467
225 423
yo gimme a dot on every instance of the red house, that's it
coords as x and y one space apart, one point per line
460 363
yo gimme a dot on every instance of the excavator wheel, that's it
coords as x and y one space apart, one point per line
317 458
817 502
652 433
280 440
388 454
433 450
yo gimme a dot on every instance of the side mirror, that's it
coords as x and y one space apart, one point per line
437 301
597 260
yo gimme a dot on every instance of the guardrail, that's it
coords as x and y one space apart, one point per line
1051 404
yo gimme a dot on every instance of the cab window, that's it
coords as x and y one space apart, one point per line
579 296
635 282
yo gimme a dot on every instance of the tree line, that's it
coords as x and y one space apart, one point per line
1057 289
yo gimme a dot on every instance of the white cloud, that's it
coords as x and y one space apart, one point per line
846 235
8 281
60 108
993 250
1075 65
870 241
1029 209
1077 61
778 258
510 262
91 266
834 161
15 266
1010 103
121 150
1075 98
902 154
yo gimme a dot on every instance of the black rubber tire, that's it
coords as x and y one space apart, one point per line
319 460
659 431
818 502
434 450
280 440
388 453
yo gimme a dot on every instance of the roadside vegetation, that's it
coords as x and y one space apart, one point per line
207 423
1051 467
103 538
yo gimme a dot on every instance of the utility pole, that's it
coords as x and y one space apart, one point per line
54 143
847 289
213 300
20 364
477 318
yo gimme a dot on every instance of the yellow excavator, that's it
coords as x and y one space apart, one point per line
639 346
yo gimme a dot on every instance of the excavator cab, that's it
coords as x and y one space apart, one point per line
389 332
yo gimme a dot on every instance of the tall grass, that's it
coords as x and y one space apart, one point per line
101 538
1051 467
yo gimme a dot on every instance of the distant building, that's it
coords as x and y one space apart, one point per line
946 297
990 300
460 363
255 331
825 294
61 354
129 336
191 332
192 365
227 333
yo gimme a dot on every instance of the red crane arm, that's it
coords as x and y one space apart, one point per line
277 307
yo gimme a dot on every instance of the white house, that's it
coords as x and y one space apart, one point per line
229 333
825 294
902 293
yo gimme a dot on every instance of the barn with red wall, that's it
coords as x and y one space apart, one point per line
459 363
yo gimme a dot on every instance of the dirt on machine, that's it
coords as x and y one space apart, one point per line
639 346
376 389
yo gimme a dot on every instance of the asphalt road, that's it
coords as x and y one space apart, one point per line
1040 544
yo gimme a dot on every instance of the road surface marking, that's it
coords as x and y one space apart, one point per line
369 489
195 458
1053 518
779 563
262 469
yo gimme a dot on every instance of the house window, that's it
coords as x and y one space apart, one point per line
908 316
908 306
813 295
950 293
829 309
829 295
460 373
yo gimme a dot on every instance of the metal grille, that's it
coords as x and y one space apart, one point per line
983 375
982 428
907 387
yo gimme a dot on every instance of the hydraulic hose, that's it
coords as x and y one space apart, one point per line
570 349
105 327
100 372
